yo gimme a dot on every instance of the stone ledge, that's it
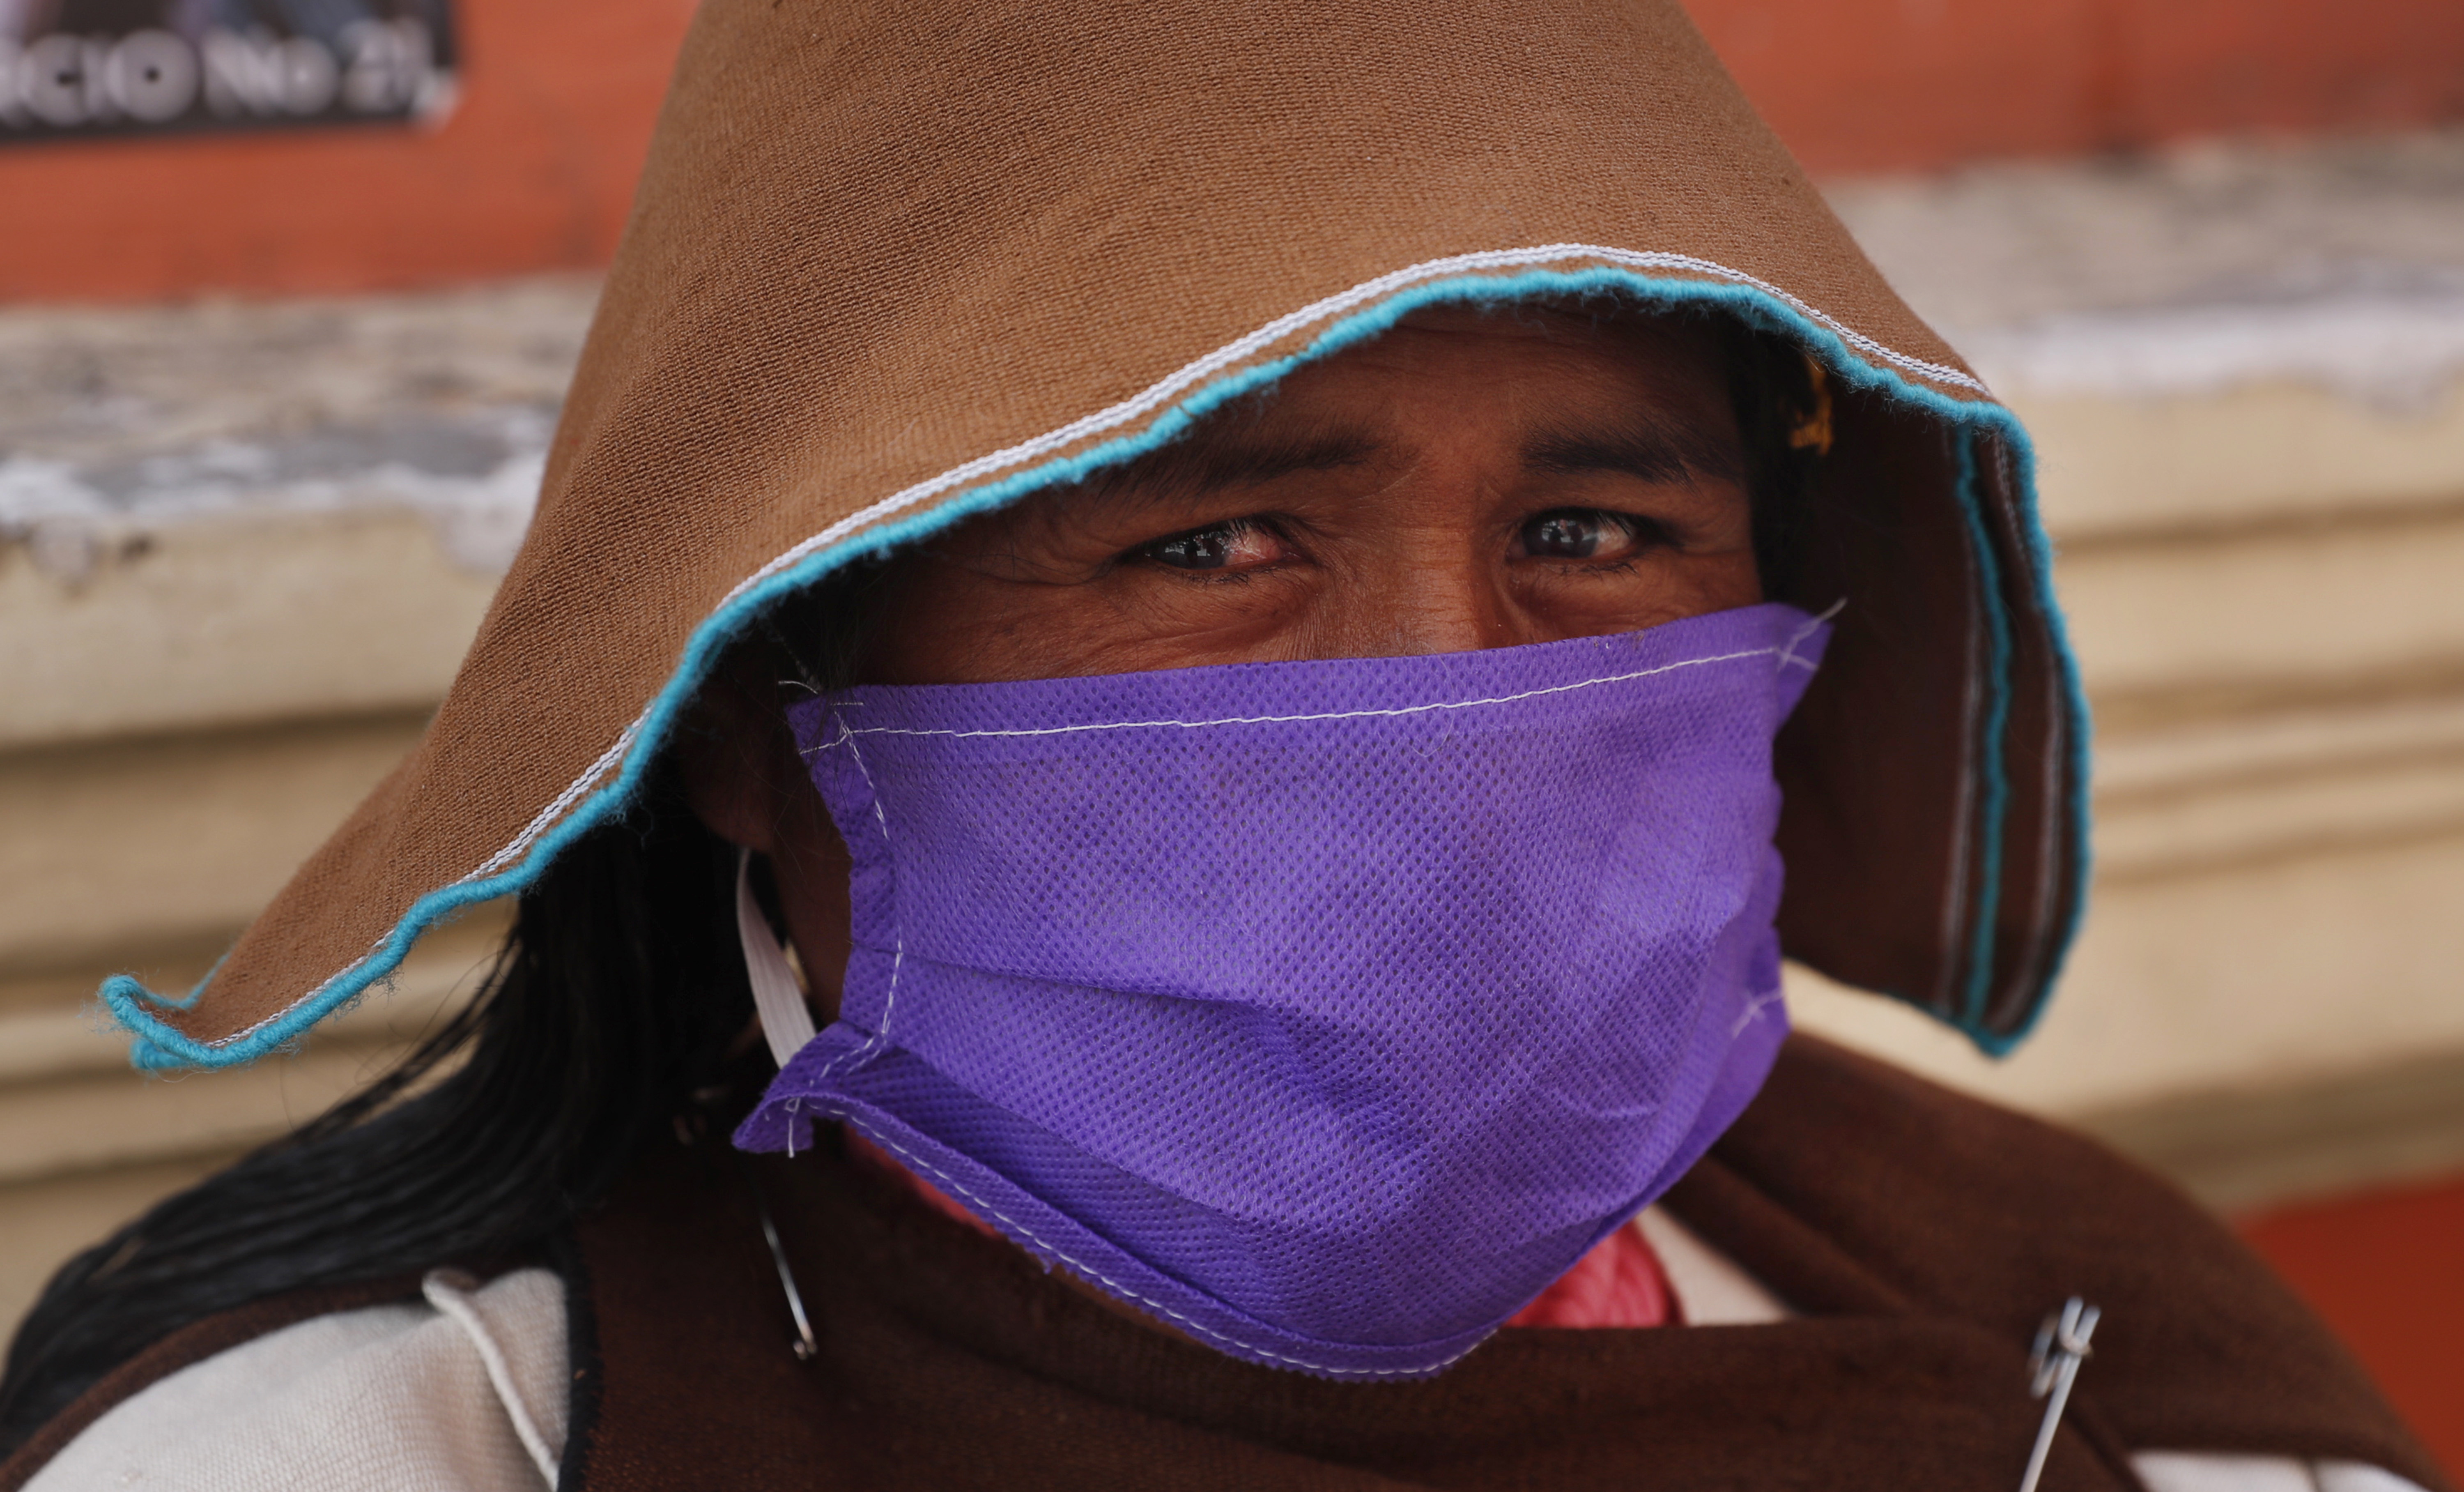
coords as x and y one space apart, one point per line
2240 1147
68 1102
120 846
2265 974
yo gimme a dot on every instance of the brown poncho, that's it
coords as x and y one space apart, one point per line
891 265
1922 1236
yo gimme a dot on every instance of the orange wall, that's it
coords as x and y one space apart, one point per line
1865 85
2386 1271
534 171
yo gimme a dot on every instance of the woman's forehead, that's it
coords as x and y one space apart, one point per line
1573 382
1659 355
1525 364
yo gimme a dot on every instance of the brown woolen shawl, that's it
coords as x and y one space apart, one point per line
1921 1234
893 265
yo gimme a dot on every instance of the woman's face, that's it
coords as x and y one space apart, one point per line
1466 481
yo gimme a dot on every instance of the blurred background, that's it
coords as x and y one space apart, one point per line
290 291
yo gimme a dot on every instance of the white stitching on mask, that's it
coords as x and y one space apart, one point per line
1784 656
946 1179
898 933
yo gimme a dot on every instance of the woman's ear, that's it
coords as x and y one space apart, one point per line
746 783
739 763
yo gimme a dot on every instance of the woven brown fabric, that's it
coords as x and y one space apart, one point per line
1923 1235
949 1361
1856 1186
887 258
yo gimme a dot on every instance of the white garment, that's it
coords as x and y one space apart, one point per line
1711 1288
2176 1471
444 1398
394 1398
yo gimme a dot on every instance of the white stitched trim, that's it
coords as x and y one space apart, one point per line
1755 1005
547 817
449 1290
845 732
2057 768
1114 1285
1813 624
539 825
1146 401
1955 901
898 933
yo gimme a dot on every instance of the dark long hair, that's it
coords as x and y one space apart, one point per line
620 991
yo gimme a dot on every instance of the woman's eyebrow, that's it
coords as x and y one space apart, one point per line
1648 449
1208 461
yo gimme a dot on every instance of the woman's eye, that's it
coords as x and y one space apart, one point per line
1218 547
1578 534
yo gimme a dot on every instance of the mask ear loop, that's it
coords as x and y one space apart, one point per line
787 1024
786 1021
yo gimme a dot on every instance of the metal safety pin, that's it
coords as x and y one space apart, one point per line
805 1346
2062 1345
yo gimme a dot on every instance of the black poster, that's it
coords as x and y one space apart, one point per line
72 68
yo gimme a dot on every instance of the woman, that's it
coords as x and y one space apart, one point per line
1230 582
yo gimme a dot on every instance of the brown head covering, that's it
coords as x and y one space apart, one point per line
893 265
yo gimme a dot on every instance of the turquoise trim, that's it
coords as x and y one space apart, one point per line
160 1046
1990 745
2039 559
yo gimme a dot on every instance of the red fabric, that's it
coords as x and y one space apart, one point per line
1618 1284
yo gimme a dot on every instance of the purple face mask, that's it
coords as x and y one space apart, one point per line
1327 1010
